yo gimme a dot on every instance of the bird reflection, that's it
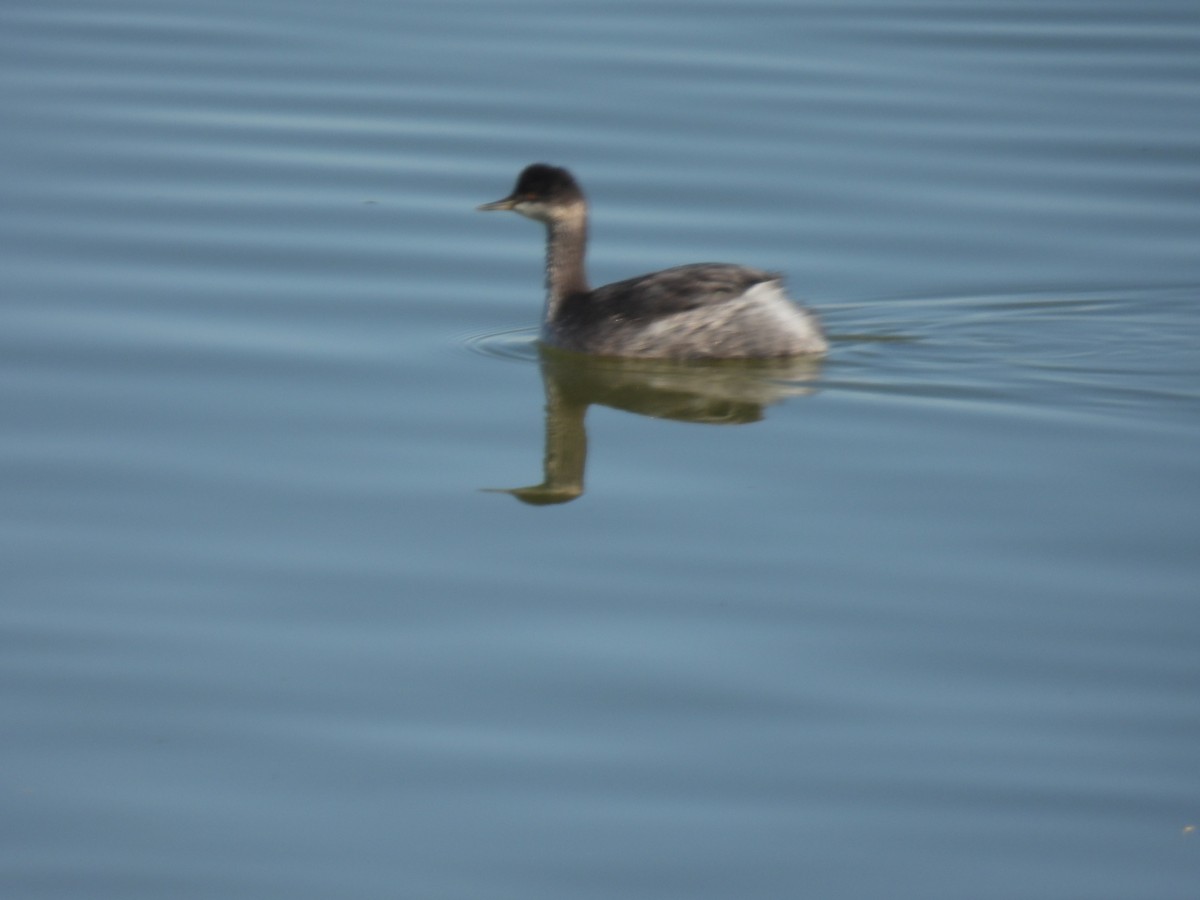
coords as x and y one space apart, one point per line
727 392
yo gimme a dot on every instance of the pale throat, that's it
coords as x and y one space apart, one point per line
566 246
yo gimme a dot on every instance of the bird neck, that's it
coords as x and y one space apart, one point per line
566 245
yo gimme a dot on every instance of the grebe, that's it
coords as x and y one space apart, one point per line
700 311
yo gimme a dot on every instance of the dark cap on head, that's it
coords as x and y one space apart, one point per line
540 183
546 182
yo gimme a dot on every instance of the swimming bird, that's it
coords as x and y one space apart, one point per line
698 311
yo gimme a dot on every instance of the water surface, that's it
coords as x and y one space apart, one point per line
919 620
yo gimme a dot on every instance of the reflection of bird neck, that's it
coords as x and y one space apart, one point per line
566 441
566 246
565 457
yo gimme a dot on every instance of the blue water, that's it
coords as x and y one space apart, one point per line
918 621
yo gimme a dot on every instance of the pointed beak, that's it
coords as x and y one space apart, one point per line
506 203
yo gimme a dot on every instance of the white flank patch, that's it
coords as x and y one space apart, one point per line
769 299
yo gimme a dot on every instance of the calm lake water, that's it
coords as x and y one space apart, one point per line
920 621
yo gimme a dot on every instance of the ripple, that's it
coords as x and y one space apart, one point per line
519 344
1073 353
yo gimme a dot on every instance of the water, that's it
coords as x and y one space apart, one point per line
917 621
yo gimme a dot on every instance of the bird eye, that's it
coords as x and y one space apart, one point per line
530 196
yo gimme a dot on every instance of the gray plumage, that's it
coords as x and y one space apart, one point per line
700 311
